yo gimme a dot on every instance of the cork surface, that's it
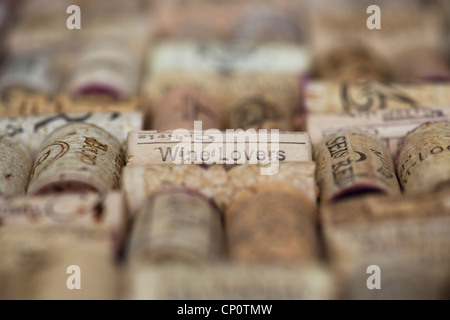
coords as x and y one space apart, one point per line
335 97
298 175
274 96
18 102
105 67
35 260
40 237
176 226
351 163
215 182
181 106
410 229
265 147
231 282
423 162
271 223
140 182
390 125
15 167
32 130
77 157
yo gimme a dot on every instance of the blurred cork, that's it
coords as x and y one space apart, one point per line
406 236
178 225
32 71
181 106
423 162
77 157
251 21
105 67
257 86
351 163
337 97
15 167
233 282
409 45
390 126
63 231
16 102
271 223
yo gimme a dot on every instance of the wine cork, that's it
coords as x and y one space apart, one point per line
192 20
32 130
297 175
233 282
257 85
16 102
400 279
376 208
176 225
15 167
181 106
336 97
241 58
423 160
275 97
258 113
215 147
50 208
105 68
389 126
46 239
77 157
406 31
410 228
353 163
271 223
266 25
352 63
31 71
140 182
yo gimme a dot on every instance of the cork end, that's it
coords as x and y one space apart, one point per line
64 187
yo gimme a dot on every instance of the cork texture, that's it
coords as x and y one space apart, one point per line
176 226
271 223
32 130
15 167
390 126
353 163
232 282
181 106
77 157
17 102
336 97
140 182
423 163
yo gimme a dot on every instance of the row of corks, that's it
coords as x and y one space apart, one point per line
192 231
282 221
170 214
411 44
